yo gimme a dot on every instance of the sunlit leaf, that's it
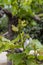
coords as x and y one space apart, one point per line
14 28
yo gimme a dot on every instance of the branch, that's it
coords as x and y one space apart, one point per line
8 36
36 18
1 12
40 15
9 14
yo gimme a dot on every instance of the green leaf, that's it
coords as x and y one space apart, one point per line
33 23
16 39
31 62
29 2
36 44
40 57
14 28
17 58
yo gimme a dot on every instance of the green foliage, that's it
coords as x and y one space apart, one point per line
25 9
3 24
32 54
17 58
